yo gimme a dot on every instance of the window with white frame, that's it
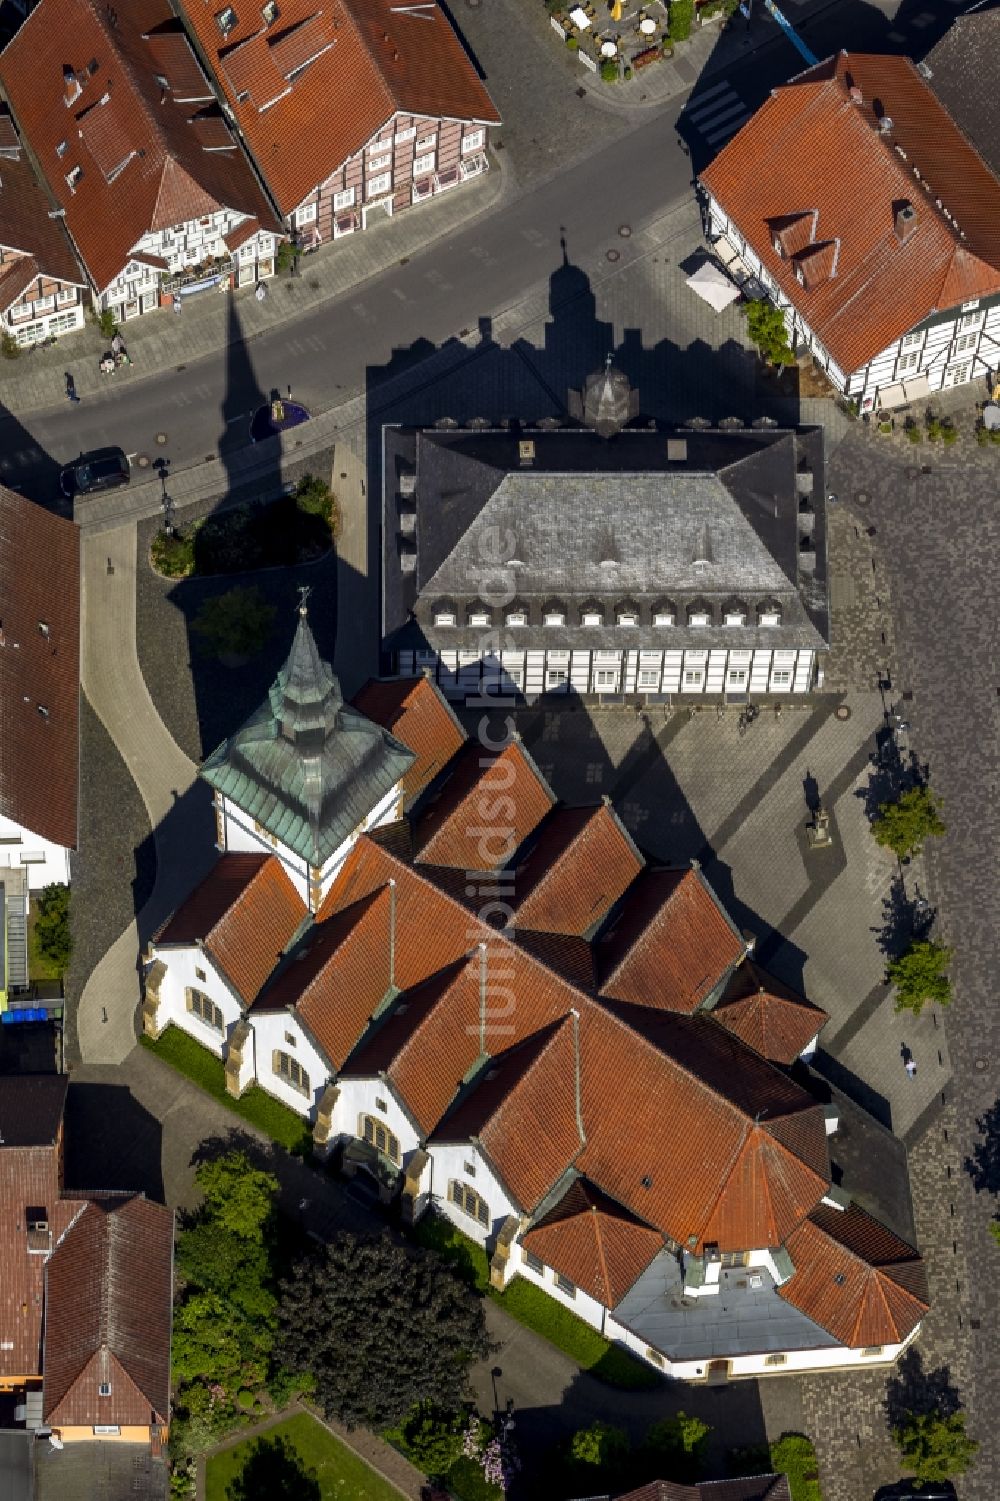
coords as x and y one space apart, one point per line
305 215
468 1201
770 617
971 320
970 306
473 141
911 341
376 163
517 617
663 617
775 1358
555 677
592 617
606 677
693 677
565 1285
425 163
45 304
554 617
206 1010
380 184
61 323
65 296
534 1263
479 617
425 143
780 677
444 617
343 199
649 677
737 677
627 617
734 617
871 1350
699 618
377 1134
290 1070
957 375
907 362
961 344
405 135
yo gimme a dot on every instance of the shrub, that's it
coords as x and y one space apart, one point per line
933 1446
933 428
949 432
431 1437
245 1399
572 44
995 434
314 497
172 553
677 1447
609 70
9 347
766 327
287 255
982 436
236 623
602 1445
106 323
913 431
628 72
793 1455
52 933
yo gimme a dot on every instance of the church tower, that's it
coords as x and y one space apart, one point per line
306 774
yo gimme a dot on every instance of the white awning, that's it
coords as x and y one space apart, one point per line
891 396
919 386
579 17
713 286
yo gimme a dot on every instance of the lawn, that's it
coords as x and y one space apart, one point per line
254 1105
534 1308
340 1472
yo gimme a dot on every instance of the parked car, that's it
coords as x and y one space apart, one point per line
101 469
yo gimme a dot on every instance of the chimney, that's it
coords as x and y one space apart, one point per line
904 220
857 95
884 125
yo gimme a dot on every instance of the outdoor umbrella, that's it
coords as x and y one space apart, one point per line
714 286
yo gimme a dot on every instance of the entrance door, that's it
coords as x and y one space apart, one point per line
373 211
718 1372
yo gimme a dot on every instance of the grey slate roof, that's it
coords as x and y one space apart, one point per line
613 521
965 75
305 765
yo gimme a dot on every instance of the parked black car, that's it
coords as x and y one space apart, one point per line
101 469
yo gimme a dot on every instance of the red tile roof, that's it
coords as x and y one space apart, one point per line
594 1242
671 945
30 1178
522 1111
816 145
747 1488
581 862
143 167
243 914
855 1278
418 714
339 975
385 59
108 1301
24 216
39 669
484 811
767 1014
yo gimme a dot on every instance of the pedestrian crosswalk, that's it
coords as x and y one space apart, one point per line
716 114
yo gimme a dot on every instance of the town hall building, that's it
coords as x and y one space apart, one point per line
493 1006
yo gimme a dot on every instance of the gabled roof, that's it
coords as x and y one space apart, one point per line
352 66
338 975
853 139
856 1278
769 1016
671 944
416 712
594 1242
581 862
747 1488
39 669
108 1301
305 765
25 224
521 1110
84 81
453 825
243 914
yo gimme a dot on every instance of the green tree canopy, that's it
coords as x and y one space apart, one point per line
237 1196
381 1328
905 824
920 975
677 1445
274 1472
52 933
766 327
935 1446
236 623
601 1444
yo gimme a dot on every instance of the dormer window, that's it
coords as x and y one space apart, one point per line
769 615
734 612
554 617
444 617
779 248
592 614
73 177
628 617
517 617
800 276
479 616
663 617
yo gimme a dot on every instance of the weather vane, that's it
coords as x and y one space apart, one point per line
304 592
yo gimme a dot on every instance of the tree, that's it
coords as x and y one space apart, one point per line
995 1230
433 1438
52 933
236 623
601 1445
274 1472
381 1328
793 1455
678 1445
935 1446
237 1196
766 327
919 976
905 824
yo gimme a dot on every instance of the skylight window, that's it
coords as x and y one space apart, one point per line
227 20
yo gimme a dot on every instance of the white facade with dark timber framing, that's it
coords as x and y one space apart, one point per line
606 559
862 211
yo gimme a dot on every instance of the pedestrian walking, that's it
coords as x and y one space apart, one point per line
261 292
911 1068
71 387
177 303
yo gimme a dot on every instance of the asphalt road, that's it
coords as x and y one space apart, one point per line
476 273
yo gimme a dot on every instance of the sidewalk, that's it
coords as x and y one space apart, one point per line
162 339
